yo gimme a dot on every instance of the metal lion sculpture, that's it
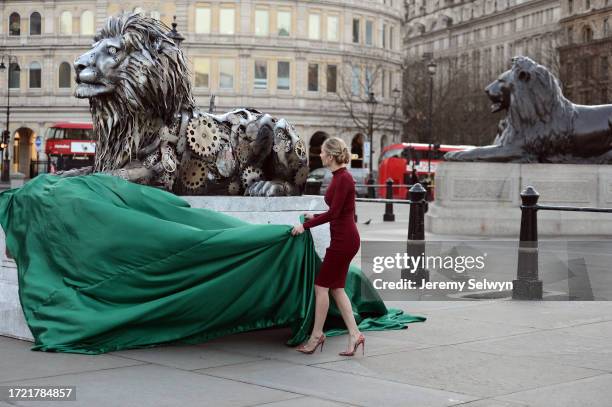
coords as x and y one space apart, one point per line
149 130
542 125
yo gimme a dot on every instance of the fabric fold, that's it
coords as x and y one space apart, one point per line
105 264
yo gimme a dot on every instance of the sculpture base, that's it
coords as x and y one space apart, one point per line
261 210
483 199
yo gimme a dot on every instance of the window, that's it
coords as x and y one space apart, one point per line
587 4
369 80
202 72
35 25
391 37
383 83
66 23
313 77
355 30
604 68
570 35
606 27
14 76
314 26
227 17
332 28
65 75
202 23
87 23
570 6
283 22
283 75
369 32
226 73
332 74
35 76
355 82
587 34
261 75
384 36
262 22
15 24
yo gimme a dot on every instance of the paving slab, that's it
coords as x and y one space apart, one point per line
339 386
18 362
270 344
536 314
185 357
153 385
305 402
440 329
462 371
551 345
492 403
593 392
594 330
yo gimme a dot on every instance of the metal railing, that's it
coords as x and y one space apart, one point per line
528 285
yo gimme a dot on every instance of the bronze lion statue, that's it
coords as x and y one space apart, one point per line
149 130
541 124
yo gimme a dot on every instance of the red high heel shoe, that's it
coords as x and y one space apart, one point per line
302 348
360 341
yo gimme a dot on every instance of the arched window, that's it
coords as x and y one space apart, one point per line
15 24
87 23
66 23
65 75
14 75
35 76
35 23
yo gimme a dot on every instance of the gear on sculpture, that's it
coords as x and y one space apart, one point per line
194 174
203 136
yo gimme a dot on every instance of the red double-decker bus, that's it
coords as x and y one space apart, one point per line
397 162
69 145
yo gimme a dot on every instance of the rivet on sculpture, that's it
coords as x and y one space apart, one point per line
149 130
542 125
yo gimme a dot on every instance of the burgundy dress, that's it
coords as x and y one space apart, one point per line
340 197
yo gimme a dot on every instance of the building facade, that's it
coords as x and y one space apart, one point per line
586 50
482 35
288 58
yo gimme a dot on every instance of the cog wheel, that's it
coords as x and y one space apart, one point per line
234 188
301 175
204 136
300 149
194 174
250 175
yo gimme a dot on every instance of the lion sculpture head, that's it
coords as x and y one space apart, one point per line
134 75
539 117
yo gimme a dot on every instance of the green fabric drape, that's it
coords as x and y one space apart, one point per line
105 264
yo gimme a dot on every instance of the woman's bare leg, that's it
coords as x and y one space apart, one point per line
321 308
344 305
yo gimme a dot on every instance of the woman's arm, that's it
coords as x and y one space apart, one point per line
341 191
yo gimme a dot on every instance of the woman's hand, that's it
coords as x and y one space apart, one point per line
308 216
297 230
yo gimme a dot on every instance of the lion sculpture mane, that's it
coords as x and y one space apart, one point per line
149 130
541 124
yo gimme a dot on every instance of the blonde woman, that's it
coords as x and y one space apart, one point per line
345 241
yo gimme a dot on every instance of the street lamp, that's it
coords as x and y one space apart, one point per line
6 134
396 94
372 103
175 35
431 70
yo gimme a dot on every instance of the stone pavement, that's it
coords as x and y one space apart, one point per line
489 353
477 353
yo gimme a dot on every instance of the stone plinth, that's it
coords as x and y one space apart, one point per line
274 210
484 198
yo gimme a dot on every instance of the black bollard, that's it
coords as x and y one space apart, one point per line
371 190
527 285
416 233
389 216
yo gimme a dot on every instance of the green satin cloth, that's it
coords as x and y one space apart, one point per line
105 264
